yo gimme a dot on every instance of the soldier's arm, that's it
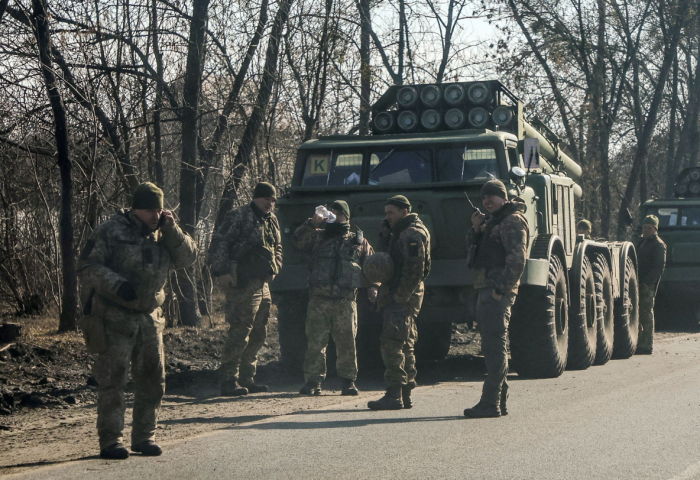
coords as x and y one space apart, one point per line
658 264
514 233
412 247
219 258
92 265
366 251
182 248
473 237
278 246
306 237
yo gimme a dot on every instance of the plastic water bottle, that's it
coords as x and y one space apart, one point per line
325 213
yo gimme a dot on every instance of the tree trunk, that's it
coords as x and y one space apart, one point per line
158 103
365 66
69 300
243 155
187 296
671 152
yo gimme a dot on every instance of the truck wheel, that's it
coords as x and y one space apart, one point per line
604 304
627 314
539 331
291 323
583 328
434 341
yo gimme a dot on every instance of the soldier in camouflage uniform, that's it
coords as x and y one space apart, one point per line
245 255
500 260
407 240
585 228
651 253
123 269
337 255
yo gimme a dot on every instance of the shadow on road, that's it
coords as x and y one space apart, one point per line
229 420
342 423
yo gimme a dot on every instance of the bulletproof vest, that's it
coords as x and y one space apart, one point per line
398 258
336 262
490 253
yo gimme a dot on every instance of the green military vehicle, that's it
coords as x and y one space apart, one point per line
678 297
434 143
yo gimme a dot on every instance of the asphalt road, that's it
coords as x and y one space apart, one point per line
635 418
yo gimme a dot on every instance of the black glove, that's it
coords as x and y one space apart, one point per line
126 292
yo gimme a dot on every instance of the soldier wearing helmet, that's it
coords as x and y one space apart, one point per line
407 240
337 255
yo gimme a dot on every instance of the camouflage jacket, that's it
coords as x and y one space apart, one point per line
500 258
336 264
122 250
408 243
651 253
243 232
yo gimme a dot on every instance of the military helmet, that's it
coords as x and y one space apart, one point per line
379 268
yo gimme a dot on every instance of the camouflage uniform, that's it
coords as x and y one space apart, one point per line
335 276
123 250
499 263
401 298
251 240
651 253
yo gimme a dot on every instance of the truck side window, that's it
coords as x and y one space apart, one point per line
332 169
400 166
460 164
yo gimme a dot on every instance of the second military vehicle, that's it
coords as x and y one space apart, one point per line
434 143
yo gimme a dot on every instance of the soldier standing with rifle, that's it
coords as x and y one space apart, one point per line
651 252
498 264
335 275
245 255
123 269
407 240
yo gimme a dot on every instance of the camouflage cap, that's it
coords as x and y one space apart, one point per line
264 190
341 206
378 268
651 220
399 201
494 187
147 196
585 224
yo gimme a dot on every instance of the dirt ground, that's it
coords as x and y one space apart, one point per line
47 395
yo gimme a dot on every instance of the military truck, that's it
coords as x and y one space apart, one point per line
678 298
436 144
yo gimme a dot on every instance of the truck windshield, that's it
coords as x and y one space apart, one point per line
676 216
399 166
332 169
460 164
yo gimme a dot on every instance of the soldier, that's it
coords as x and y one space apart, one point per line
123 269
584 228
337 255
245 255
651 252
499 263
407 240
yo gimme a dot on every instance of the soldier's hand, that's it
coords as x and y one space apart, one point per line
478 219
317 220
167 219
386 228
126 292
372 293
270 278
496 295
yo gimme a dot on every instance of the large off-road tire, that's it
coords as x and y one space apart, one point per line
539 329
434 341
605 309
583 327
627 314
291 324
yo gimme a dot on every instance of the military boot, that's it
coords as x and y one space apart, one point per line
348 387
483 410
311 388
149 448
116 451
231 388
253 387
406 395
390 401
504 399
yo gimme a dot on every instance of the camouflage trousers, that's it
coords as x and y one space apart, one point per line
397 343
337 317
493 317
135 339
247 313
647 296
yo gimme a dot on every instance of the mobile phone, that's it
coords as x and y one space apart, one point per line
161 220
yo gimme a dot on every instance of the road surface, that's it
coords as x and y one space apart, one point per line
635 418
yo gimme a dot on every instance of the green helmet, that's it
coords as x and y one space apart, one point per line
378 268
